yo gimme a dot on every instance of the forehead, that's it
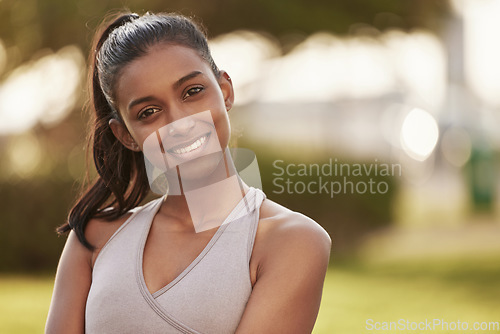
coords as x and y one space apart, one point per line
162 65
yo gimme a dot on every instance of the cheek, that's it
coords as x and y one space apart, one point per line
141 137
153 153
222 126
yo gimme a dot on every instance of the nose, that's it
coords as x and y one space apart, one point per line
181 127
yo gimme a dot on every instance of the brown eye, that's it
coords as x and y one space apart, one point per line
193 91
148 112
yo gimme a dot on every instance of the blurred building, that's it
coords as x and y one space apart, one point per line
425 101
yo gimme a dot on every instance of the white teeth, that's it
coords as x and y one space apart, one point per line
191 147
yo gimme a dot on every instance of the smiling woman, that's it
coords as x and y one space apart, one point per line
212 254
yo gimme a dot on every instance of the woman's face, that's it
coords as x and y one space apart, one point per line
174 107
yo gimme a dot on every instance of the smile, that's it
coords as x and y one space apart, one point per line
194 145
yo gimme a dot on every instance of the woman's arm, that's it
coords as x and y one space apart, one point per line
287 293
72 284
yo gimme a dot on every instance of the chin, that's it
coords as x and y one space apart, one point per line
203 170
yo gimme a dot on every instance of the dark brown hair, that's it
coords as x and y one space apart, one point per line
122 181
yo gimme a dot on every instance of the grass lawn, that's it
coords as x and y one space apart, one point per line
449 290
24 303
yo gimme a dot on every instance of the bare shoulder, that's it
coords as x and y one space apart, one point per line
283 231
288 268
98 231
279 222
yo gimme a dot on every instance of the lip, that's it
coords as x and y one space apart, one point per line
190 147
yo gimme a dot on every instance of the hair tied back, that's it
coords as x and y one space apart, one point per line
118 22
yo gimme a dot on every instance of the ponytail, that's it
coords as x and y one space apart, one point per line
122 180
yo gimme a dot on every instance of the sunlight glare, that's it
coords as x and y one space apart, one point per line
242 54
419 62
482 50
42 91
419 134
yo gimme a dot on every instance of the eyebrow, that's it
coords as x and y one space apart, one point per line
176 85
185 78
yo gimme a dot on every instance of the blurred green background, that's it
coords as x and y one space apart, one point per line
370 83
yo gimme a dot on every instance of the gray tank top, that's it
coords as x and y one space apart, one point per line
209 296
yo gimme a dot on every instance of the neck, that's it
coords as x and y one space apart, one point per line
205 204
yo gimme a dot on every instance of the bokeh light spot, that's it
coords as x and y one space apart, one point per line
419 134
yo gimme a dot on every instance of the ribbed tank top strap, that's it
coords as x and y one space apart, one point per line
259 198
127 236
